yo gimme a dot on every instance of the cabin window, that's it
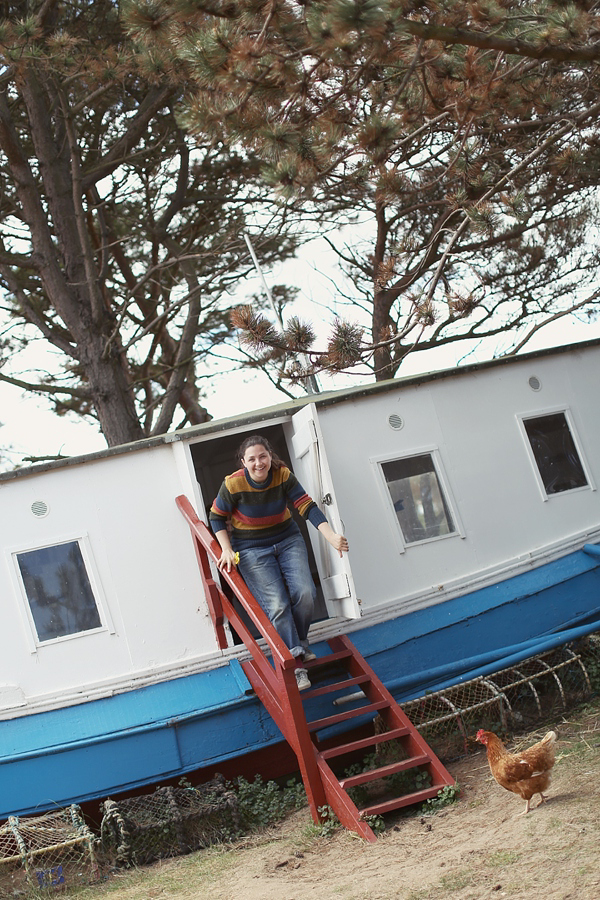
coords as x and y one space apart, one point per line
418 498
58 591
555 453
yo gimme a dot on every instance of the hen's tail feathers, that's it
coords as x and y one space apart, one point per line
547 741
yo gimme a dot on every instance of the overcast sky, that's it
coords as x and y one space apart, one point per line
30 429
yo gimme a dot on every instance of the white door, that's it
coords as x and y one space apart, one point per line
305 443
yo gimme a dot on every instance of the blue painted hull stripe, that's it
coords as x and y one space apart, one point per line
592 549
129 732
485 664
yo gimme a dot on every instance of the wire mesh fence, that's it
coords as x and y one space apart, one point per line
169 822
53 851
515 697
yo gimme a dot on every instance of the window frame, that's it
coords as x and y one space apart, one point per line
553 411
85 548
444 485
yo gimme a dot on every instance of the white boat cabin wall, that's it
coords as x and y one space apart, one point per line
442 483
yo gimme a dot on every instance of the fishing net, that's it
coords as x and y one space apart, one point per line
516 697
169 822
54 851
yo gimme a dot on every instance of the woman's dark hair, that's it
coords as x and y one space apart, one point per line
259 439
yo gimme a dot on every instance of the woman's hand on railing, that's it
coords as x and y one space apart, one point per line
228 558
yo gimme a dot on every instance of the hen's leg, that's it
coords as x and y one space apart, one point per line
526 810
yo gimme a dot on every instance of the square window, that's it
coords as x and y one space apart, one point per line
418 498
555 453
58 591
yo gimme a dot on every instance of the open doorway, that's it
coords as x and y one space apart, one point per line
215 457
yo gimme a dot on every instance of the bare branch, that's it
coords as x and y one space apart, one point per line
553 318
34 387
448 35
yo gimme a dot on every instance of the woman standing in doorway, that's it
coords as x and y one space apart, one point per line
272 554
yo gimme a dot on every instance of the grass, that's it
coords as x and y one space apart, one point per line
179 876
456 881
502 858
447 884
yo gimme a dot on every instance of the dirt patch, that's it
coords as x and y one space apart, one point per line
478 848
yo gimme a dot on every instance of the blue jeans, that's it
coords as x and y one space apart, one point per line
278 575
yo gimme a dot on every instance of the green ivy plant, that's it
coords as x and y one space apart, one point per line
445 797
262 803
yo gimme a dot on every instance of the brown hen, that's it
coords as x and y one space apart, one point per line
526 773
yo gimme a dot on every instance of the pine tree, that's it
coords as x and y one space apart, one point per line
464 134
119 234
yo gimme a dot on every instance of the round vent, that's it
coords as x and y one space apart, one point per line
534 383
396 422
40 508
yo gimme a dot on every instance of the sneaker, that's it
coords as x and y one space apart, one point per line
302 680
309 655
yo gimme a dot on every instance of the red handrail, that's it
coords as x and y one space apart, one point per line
219 604
275 685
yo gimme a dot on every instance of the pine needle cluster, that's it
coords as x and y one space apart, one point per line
464 132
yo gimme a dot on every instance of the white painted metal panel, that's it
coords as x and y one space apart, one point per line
142 567
472 421
311 466
357 435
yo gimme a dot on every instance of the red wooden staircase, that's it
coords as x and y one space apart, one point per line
341 680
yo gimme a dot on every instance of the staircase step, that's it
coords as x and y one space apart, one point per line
364 743
379 809
318 724
329 659
338 686
401 765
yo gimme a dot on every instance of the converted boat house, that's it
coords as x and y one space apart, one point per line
469 499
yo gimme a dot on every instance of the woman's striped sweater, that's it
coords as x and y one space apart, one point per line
259 512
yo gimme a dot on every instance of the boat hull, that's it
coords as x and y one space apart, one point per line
121 743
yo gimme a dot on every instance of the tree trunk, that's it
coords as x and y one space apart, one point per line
110 389
383 299
382 329
65 262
